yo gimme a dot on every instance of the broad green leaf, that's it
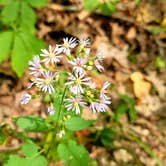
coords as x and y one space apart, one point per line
5 44
122 108
37 3
80 154
15 160
73 154
5 2
27 18
91 4
77 123
29 149
25 46
32 123
20 55
10 13
38 161
63 152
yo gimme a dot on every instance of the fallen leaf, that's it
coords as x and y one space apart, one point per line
140 86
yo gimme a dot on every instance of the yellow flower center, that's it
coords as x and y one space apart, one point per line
66 45
47 81
75 104
78 81
51 54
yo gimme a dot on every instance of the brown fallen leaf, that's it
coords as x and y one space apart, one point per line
140 86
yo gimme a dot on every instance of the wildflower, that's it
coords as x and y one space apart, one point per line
79 65
51 55
98 107
103 97
45 83
25 98
77 80
51 110
67 44
84 42
35 66
61 133
98 65
74 104
100 56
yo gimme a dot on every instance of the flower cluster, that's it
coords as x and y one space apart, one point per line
81 89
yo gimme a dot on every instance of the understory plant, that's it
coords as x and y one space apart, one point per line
69 94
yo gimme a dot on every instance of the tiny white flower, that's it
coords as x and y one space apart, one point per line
79 65
98 107
25 98
51 110
77 81
74 104
98 65
45 83
84 42
35 66
61 133
67 45
51 55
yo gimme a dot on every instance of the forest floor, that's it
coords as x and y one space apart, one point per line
131 45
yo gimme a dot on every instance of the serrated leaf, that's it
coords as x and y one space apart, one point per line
5 44
28 18
29 149
37 3
10 13
32 123
77 123
91 4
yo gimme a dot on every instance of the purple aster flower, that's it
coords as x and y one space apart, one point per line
45 83
84 42
103 97
51 110
77 81
35 66
74 104
67 44
98 65
98 107
25 98
79 65
51 55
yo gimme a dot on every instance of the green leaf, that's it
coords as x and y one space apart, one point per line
91 4
33 123
5 44
3 136
77 123
38 161
63 152
25 46
10 13
15 160
5 2
29 149
157 30
132 113
37 3
127 99
28 18
107 136
159 62
108 8
73 154
122 108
